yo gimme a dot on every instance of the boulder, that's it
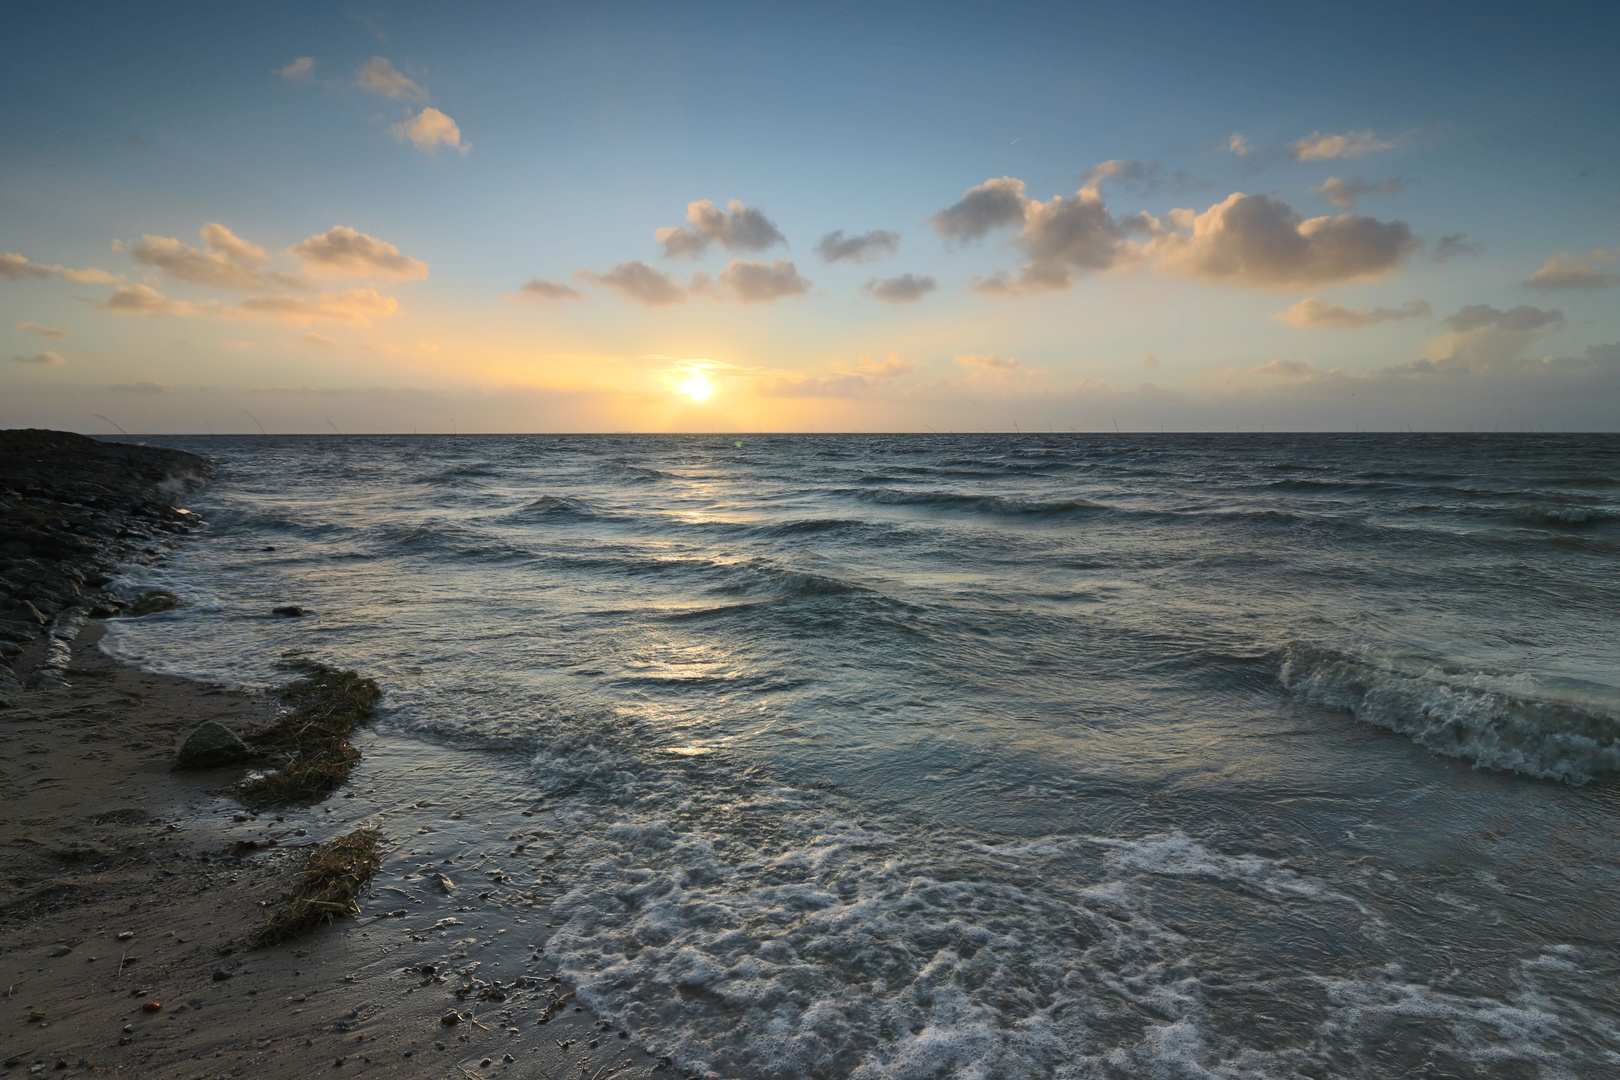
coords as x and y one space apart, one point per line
46 678
10 689
210 746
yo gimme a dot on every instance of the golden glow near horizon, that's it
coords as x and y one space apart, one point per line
697 388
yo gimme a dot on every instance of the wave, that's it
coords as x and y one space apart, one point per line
1513 722
984 504
636 473
1559 513
549 506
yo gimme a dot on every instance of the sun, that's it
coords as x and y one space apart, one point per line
697 388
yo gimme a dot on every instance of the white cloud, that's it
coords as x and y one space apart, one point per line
638 281
1315 314
877 244
1569 271
1255 241
44 358
379 77
1238 145
229 263
44 331
237 344
1353 144
145 386
300 70
143 300
899 290
430 129
991 205
988 360
739 228
1289 369
1151 360
343 252
356 307
752 282
15 267
1484 339
1450 246
539 290
1346 193
871 375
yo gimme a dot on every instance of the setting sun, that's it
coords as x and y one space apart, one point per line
697 388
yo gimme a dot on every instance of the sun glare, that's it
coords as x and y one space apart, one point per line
697 388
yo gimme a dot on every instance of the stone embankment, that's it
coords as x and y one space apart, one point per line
71 510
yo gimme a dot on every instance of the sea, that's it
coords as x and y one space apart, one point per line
983 756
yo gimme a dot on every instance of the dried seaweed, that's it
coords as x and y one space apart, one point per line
326 706
337 873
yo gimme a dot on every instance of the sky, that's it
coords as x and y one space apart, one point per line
530 217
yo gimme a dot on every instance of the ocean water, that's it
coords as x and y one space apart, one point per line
995 756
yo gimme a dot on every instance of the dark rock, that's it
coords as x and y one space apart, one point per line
290 611
220 974
156 600
210 746
10 689
46 679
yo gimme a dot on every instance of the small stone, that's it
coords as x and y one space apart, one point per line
60 950
210 746
450 1019
438 1046
508 1058
129 1029
290 611
152 1006
220 974
486 1063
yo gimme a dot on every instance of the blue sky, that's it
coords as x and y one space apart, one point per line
579 131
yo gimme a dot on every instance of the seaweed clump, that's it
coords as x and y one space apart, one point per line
338 871
326 706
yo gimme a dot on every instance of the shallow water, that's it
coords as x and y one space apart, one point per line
990 756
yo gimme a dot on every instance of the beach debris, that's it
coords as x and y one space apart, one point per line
290 611
337 873
154 601
327 705
210 746
60 950
442 883
125 935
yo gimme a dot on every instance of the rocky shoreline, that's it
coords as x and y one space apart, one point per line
71 509
135 897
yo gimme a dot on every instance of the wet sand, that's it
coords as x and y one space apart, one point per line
120 888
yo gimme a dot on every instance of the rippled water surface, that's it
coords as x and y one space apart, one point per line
991 756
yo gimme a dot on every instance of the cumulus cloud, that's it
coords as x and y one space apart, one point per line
738 228
1346 193
356 307
750 282
539 289
1238 145
988 360
1318 146
379 77
1258 242
343 252
992 205
44 331
300 70
1289 368
1451 245
899 290
1484 339
44 358
228 263
1568 271
1315 314
877 244
145 386
870 375
428 130
638 281
143 300
15 267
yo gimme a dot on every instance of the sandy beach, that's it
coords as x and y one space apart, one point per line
131 890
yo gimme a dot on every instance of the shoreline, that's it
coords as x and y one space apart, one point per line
100 838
